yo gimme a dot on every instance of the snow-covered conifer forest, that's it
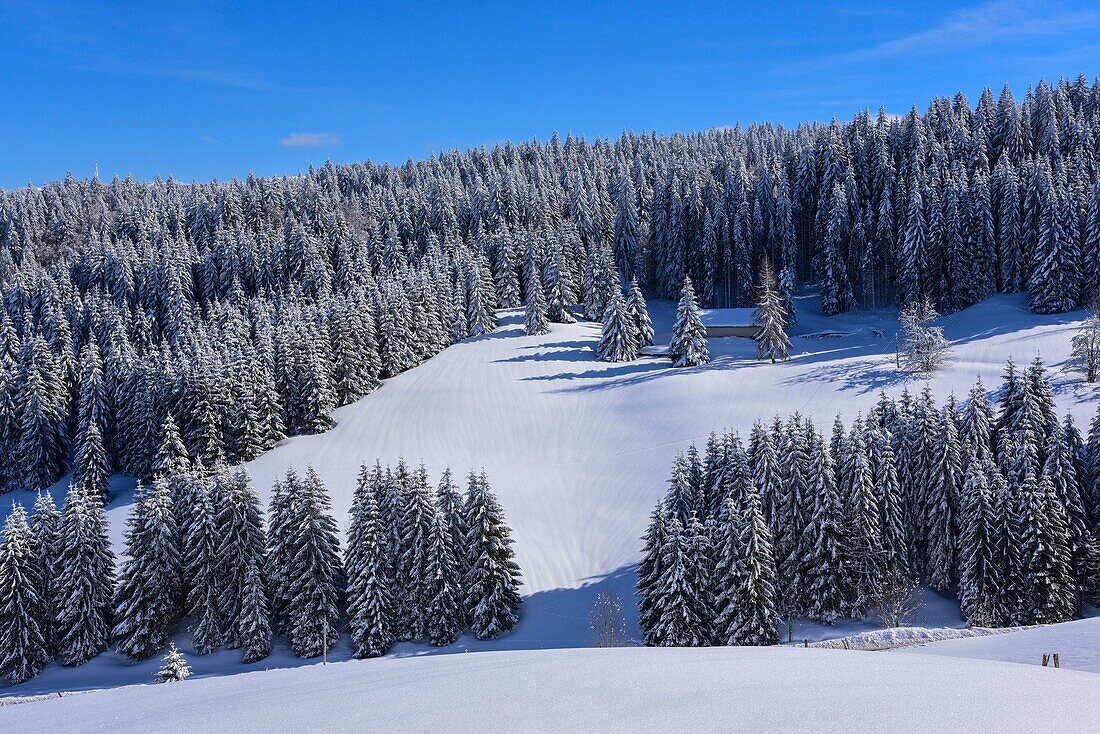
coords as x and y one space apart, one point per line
991 503
419 564
190 375
131 303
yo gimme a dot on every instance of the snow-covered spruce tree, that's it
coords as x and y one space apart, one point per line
253 623
794 507
415 587
681 615
745 576
493 577
205 590
370 610
41 400
880 454
618 341
448 498
651 572
174 667
979 574
147 598
1054 282
85 580
241 544
279 550
827 568
46 532
688 347
171 458
535 322
785 291
559 296
836 289
862 520
771 342
314 568
638 314
442 617
23 613
1061 471
91 468
1050 590
942 502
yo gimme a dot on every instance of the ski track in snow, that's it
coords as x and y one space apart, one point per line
579 450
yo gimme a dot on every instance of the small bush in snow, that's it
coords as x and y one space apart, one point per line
924 348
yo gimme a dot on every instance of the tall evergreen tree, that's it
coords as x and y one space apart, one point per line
492 579
689 337
85 581
23 621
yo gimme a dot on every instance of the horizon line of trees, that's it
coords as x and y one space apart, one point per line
997 503
127 303
418 564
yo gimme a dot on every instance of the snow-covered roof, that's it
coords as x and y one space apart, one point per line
727 316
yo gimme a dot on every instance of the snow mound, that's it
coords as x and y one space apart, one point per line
889 639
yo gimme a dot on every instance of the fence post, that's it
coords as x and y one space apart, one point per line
1056 662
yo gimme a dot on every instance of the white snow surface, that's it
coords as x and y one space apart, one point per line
579 450
1077 644
779 689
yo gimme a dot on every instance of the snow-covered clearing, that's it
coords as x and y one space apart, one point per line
579 450
605 690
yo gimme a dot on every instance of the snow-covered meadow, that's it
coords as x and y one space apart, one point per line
776 689
579 450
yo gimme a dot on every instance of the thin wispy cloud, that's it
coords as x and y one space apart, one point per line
985 24
310 140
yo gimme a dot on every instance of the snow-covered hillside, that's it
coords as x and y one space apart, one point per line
578 450
605 690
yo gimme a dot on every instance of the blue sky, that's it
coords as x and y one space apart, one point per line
202 90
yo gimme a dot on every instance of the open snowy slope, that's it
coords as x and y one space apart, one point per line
606 690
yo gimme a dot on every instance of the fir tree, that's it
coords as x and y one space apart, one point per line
85 581
689 337
314 568
618 340
147 597
746 577
442 613
23 620
827 567
253 624
638 314
46 531
174 666
681 616
369 603
492 581
535 322
771 341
